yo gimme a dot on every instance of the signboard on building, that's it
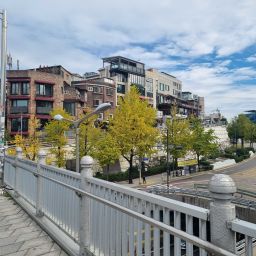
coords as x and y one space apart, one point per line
187 162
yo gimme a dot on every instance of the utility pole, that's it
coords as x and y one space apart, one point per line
168 160
3 77
2 90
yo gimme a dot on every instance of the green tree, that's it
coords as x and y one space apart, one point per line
251 135
240 128
55 136
177 135
106 151
89 135
203 142
133 128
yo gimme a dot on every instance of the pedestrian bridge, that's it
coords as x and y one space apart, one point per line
88 216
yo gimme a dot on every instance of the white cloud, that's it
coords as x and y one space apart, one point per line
222 88
163 34
252 58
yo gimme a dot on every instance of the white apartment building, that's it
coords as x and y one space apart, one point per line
162 86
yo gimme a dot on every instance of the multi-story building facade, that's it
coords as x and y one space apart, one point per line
167 92
163 86
37 92
196 104
126 73
98 90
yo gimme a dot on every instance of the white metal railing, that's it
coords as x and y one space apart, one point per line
109 219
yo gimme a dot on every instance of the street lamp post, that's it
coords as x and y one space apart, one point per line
101 108
2 90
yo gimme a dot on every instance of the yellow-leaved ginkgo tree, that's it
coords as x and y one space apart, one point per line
133 128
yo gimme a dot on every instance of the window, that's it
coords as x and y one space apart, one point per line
20 88
167 87
96 103
97 89
19 106
149 85
69 107
19 103
25 89
110 91
121 88
19 124
44 90
15 88
43 107
161 87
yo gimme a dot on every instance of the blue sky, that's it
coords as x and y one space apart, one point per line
209 45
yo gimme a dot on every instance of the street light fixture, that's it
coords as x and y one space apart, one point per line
76 123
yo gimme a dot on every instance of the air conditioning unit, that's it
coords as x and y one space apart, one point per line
90 89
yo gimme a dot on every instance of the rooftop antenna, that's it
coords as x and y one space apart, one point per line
9 61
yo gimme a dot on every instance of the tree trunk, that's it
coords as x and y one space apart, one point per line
198 163
130 169
107 172
242 141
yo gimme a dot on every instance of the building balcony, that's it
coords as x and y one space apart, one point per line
18 110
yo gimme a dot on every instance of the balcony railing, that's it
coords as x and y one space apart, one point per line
43 110
18 110
96 217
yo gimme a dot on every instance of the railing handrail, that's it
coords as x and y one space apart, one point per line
11 159
138 205
239 190
192 210
166 228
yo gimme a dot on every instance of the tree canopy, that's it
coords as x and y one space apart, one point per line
242 128
31 144
178 135
203 142
133 127
55 136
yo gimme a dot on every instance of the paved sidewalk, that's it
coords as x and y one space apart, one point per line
20 235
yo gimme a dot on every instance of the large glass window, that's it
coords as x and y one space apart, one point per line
19 106
43 107
44 90
70 107
19 103
121 88
19 124
18 88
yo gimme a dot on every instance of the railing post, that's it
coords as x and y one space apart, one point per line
86 172
222 211
39 188
18 156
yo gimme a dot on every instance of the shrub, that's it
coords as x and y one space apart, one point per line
122 176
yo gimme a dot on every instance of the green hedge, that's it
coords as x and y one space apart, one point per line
238 154
122 176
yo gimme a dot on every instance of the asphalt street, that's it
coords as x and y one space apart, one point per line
244 174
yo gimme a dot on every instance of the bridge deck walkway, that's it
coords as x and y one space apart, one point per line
20 235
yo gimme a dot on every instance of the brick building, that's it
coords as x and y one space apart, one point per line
36 92
98 90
